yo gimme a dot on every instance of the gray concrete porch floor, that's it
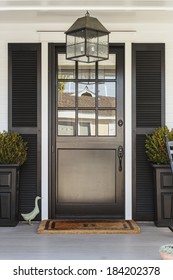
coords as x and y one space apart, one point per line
23 242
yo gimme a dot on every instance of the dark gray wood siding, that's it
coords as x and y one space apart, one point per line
148 113
25 115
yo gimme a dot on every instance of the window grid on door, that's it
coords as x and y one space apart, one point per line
86 97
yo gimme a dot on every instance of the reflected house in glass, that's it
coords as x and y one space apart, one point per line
86 97
87 117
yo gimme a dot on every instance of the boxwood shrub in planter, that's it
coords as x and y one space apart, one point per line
163 179
13 153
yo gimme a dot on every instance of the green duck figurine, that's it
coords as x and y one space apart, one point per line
30 216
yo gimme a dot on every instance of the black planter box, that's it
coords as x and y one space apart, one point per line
9 194
163 195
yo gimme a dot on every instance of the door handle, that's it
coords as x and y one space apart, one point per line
120 156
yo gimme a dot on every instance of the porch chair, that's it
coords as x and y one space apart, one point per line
169 146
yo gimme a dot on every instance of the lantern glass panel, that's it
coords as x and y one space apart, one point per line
80 49
91 35
71 51
80 36
79 43
70 39
88 37
102 39
91 49
103 51
91 42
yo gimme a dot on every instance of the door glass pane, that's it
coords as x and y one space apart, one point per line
66 68
107 68
86 95
86 71
86 122
66 122
66 94
107 94
80 98
106 122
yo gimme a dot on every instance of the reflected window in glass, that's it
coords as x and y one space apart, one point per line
106 123
86 71
66 94
107 94
107 68
86 95
66 123
66 68
86 122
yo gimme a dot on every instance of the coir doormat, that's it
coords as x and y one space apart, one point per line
88 227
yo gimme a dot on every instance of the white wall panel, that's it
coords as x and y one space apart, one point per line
169 84
44 130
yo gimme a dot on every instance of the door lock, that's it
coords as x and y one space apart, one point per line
120 123
120 156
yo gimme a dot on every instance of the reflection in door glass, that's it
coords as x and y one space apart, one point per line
86 122
106 94
66 94
66 68
106 123
86 71
66 122
107 68
86 95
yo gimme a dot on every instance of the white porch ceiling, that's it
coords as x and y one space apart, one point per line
115 11
106 5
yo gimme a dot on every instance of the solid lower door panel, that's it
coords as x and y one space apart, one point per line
86 176
86 182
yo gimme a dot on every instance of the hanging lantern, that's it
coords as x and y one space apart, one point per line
87 40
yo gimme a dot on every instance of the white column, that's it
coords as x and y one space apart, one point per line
44 130
128 131
3 86
168 83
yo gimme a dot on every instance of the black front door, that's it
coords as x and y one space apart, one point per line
89 131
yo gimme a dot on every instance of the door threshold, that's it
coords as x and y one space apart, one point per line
89 218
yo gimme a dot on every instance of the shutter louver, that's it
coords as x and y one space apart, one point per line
148 88
148 113
24 97
24 116
28 176
144 180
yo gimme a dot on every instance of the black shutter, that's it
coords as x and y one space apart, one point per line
25 115
148 113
